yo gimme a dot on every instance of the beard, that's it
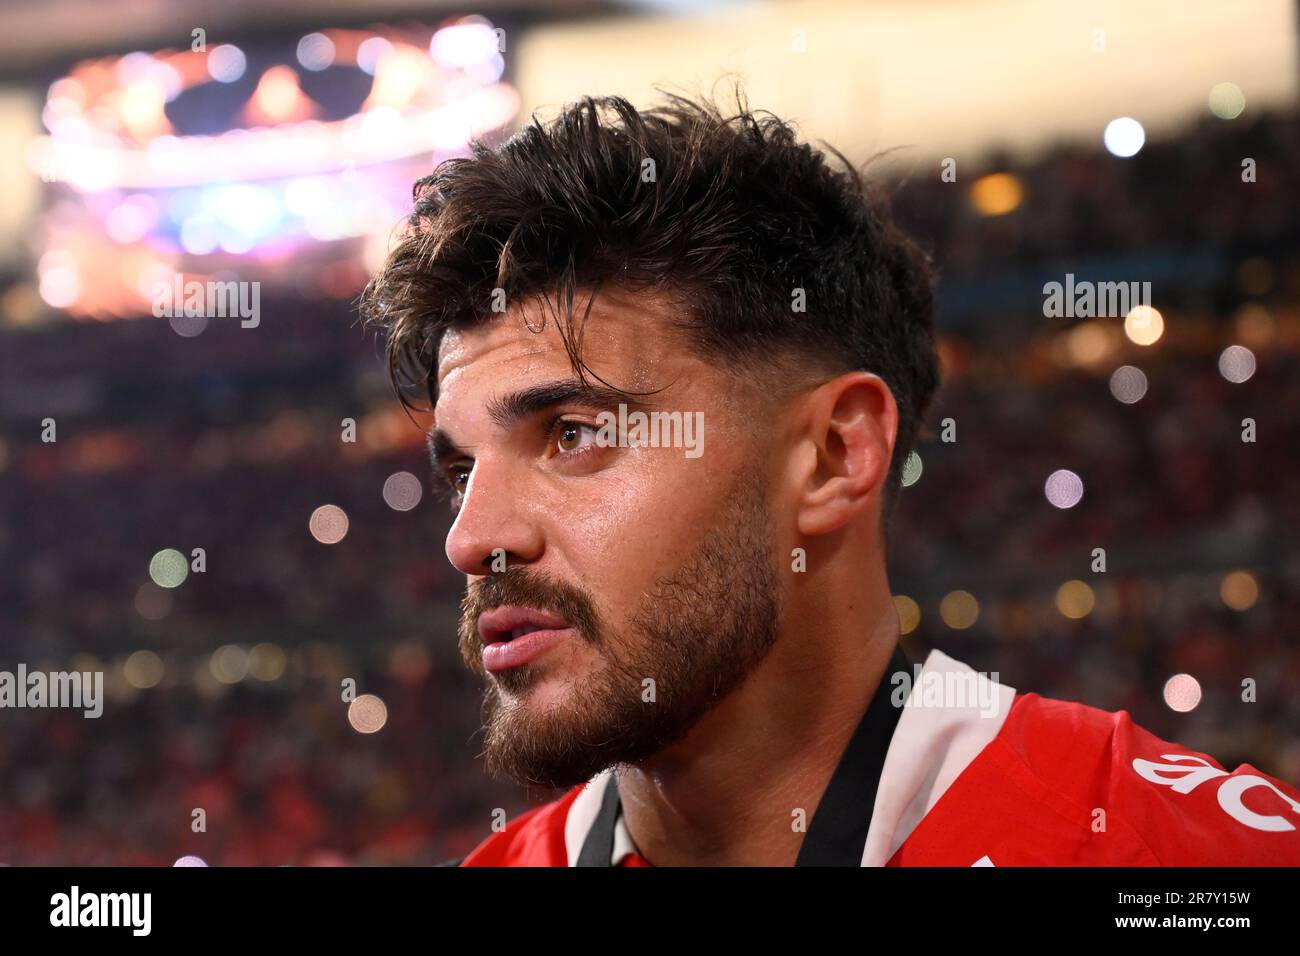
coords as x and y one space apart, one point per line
696 635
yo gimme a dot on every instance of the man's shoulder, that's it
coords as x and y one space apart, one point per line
1182 805
534 838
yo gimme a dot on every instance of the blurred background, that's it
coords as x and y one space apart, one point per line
210 531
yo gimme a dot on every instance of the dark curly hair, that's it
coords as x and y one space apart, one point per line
728 215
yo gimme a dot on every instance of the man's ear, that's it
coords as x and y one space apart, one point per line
851 423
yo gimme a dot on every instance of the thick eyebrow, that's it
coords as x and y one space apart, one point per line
508 410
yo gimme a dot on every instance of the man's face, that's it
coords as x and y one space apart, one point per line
645 575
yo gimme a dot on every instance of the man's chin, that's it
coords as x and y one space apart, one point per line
537 693
551 730
528 748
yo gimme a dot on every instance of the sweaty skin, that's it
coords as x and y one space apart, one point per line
618 521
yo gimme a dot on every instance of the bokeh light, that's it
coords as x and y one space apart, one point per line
1064 489
402 491
911 470
1128 384
1227 101
226 63
1124 137
229 664
996 194
143 669
461 45
1075 600
1088 343
328 524
909 613
1237 363
1144 325
169 568
1182 693
60 287
367 714
959 609
370 52
266 662
1239 590
315 52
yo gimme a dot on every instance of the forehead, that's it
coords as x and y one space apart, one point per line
627 340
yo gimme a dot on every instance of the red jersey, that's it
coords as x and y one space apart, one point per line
981 776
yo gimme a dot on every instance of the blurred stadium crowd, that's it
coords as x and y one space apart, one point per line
229 440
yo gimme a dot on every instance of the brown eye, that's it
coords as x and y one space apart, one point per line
573 436
457 475
570 435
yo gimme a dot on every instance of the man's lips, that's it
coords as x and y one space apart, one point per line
513 635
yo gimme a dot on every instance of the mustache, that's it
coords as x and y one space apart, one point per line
526 588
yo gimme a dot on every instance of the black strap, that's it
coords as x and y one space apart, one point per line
838 831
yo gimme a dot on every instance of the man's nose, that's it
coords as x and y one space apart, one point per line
494 524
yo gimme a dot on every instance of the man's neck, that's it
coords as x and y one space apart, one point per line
743 786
